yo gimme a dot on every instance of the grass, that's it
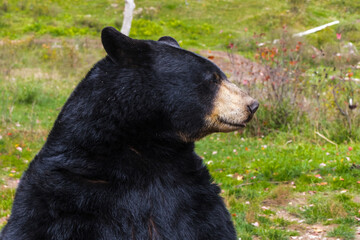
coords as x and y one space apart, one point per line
221 21
268 172
343 231
271 184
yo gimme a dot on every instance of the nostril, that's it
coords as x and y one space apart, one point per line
253 106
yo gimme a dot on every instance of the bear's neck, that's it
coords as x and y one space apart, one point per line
127 159
104 142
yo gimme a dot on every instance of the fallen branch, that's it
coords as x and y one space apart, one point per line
328 140
273 182
244 184
313 30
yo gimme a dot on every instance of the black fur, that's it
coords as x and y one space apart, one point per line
114 165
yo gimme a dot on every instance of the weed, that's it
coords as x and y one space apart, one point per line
145 28
342 231
4 6
251 214
280 195
322 208
293 98
28 93
91 23
7 197
275 234
281 222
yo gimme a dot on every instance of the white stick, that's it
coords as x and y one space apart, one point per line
128 16
306 32
316 29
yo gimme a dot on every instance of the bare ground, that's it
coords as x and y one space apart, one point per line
9 183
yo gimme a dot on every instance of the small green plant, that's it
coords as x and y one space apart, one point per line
28 94
193 31
6 199
90 23
4 6
343 231
144 28
281 222
323 208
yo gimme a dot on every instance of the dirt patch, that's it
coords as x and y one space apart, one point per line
306 231
356 199
315 231
11 183
281 195
85 42
299 199
288 216
357 233
36 73
3 220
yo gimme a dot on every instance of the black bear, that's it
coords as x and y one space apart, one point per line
119 162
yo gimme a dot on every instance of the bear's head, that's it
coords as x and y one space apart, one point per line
178 92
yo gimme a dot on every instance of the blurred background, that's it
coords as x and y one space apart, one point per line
293 173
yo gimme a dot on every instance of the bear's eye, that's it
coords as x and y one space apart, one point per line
216 78
212 78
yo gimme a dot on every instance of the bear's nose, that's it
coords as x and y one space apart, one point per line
253 106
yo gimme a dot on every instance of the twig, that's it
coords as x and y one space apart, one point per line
244 184
322 136
251 183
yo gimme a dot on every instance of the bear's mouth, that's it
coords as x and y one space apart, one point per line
237 125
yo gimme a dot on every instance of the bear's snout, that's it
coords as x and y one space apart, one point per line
232 110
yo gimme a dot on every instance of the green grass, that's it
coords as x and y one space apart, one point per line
6 197
292 170
265 171
343 231
215 23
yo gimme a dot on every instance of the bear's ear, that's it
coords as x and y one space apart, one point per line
169 40
121 48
